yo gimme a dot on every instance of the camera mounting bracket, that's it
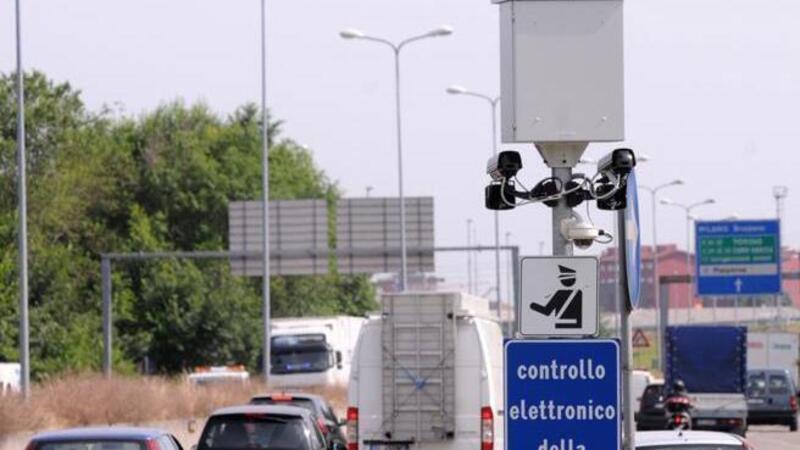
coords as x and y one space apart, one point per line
561 154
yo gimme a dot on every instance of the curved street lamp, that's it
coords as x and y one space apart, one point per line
492 102
352 33
688 210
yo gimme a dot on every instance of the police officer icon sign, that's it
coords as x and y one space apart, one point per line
559 297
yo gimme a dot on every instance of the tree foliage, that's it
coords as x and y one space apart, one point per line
161 181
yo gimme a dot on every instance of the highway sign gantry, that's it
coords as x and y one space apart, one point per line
562 395
738 257
559 297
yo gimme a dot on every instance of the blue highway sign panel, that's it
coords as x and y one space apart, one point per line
738 257
562 395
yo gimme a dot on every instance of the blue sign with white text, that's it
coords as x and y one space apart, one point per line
562 395
738 257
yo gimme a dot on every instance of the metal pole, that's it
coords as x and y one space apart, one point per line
510 288
496 218
688 269
663 322
515 271
105 270
265 198
24 332
469 256
403 263
561 246
656 286
625 338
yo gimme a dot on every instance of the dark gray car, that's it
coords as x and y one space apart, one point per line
105 438
771 398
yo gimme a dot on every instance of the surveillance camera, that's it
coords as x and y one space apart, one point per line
504 165
618 163
579 231
500 196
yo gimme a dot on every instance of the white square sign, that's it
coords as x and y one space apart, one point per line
559 297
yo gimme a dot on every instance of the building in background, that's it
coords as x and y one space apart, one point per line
673 269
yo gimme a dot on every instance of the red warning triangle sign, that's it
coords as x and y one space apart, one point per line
640 339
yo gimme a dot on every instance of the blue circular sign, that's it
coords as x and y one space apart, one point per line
633 243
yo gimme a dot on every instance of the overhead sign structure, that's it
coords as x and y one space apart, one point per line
559 297
633 243
562 395
738 257
364 237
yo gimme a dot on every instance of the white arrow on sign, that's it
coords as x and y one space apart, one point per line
738 284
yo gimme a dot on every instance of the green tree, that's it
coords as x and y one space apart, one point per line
161 181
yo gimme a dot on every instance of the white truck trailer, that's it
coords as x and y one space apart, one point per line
428 374
10 378
774 351
313 351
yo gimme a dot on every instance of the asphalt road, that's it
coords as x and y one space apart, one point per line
773 438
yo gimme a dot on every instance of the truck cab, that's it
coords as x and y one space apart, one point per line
312 351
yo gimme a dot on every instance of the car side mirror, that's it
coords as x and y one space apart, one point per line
338 359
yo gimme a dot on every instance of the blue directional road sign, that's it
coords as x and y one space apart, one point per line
562 395
738 257
633 243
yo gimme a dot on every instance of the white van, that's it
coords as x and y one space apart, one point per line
313 351
428 374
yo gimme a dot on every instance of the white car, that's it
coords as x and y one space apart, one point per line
689 440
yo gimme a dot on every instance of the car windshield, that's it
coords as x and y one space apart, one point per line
756 385
297 353
778 384
91 445
240 432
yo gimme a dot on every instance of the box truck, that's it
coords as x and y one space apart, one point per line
712 362
774 351
428 374
313 351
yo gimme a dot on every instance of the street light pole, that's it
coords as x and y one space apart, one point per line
266 304
469 256
659 317
688 210
492 101
24 331
396 49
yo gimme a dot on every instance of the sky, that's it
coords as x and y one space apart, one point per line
711 93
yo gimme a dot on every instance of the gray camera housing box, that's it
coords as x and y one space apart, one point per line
562 74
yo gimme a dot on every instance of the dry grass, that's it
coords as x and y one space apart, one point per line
81 400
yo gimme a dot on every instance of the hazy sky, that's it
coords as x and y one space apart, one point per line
712 92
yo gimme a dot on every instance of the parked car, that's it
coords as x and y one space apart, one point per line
262 427
111 438
689 440
326 418
651 415
771 398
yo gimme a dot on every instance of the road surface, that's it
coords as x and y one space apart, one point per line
773 438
